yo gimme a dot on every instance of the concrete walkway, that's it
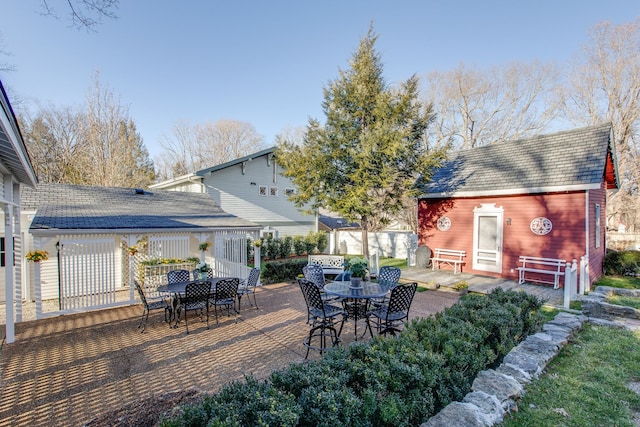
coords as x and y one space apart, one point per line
445 279
70 369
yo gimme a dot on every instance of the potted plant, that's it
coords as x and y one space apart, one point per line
202 269
461 286
37 255
132 250
204 246
357 270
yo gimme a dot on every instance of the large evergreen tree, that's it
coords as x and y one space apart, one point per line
371 149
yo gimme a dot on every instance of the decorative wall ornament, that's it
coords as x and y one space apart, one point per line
541 226
444 223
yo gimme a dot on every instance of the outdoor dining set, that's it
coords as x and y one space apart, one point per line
383 304
186 291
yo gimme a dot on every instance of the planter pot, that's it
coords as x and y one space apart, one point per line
463 291
356 282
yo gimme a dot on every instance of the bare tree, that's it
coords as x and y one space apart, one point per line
476 107
54 144
194 147
604 86
84 13
99 146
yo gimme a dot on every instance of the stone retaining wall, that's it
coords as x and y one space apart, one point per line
495 392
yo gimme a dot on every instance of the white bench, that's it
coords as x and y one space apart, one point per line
550 266
451 257
331 264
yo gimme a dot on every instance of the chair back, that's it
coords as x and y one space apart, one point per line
196 274
312 297
175 276
400 300
315 274
389 276
252 280
196 293
226 291
143 298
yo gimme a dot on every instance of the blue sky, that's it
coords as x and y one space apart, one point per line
266 62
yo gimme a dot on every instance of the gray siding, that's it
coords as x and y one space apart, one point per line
239 194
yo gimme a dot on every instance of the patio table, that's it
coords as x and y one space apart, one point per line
356 300
177 290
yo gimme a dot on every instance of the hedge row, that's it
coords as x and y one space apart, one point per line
282 271
622 263
382 382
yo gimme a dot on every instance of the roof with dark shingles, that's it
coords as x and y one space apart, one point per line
77 207
537 164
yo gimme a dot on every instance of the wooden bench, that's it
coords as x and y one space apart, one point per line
451 257
331 264
541 266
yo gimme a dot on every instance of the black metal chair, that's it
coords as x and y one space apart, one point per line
195 298
224 295
151 305
324 318
175 276
248 287
315 274
196 274
389 317
389 277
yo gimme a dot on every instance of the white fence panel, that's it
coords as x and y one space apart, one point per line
169 246
391 244
230 255
87 272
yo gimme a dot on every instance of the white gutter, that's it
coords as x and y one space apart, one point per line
511 191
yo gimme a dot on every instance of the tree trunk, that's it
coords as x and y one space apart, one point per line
365 238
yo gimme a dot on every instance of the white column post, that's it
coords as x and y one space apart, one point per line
9 253
256 256
38 285
567 285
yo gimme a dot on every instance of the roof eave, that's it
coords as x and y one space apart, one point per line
77 231
511 191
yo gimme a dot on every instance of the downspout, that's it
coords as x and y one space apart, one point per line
199 182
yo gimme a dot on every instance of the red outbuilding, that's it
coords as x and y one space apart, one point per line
543 196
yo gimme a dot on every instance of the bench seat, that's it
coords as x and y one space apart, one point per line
331 264
541 266
450 257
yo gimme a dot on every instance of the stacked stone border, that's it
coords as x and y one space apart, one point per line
495 392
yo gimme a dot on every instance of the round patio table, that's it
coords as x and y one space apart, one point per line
356 299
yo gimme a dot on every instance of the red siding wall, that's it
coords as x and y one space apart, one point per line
565 210
596 254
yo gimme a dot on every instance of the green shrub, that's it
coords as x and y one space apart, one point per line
322 240
286 245
298 245
398 381
310 243
282 271
621 263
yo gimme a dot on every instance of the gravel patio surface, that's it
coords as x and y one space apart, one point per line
71 369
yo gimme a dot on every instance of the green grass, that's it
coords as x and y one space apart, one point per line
622 300
585 385
618 282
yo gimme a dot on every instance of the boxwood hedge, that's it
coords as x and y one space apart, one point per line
399 381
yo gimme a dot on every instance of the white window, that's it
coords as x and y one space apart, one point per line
262 190
597 228
273 191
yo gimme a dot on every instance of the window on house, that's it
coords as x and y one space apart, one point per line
598 235
262 190
3 252
289 191
273 191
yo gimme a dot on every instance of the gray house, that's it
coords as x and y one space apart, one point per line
253 188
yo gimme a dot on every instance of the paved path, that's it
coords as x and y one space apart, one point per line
70 369
482 284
